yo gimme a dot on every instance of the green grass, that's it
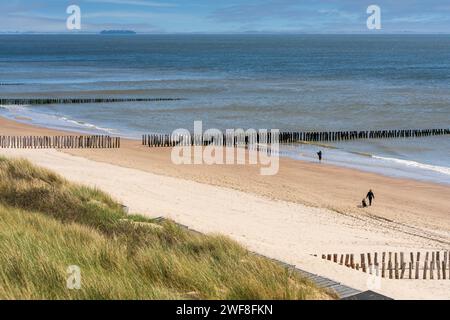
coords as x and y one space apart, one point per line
48 224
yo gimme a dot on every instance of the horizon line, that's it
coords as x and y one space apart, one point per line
137 33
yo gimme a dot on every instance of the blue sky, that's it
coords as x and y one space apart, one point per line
216 16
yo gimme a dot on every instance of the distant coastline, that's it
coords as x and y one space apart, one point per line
117 32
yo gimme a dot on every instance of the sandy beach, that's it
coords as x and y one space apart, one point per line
306 209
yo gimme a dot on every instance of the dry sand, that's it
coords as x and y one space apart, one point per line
306 209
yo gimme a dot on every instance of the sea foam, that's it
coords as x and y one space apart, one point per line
415 164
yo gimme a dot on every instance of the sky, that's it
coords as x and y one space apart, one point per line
226 16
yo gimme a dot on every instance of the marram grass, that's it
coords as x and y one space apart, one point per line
48 224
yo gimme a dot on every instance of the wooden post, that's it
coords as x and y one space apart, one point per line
383 269
396 265
444 270
438 268
417 269
341 262
432 264
410 270
403 266
425 267
390 269
363 263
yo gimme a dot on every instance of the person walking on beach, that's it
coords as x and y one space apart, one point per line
370 196
320 155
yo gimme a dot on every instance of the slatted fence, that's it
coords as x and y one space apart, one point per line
432 265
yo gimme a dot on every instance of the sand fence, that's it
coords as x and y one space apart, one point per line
434 265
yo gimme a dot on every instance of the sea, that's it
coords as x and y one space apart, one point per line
267 81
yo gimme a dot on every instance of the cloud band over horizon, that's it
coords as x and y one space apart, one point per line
233 16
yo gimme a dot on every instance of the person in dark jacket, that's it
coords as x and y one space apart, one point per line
319 154
370 196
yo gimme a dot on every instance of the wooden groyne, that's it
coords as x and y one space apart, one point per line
434 265
44 101
166 140
59 142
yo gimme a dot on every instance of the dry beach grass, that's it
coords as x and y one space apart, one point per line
47 224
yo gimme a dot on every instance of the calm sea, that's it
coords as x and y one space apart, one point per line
288 82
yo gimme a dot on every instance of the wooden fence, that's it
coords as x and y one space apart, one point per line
398 265
59 142
44 101
166 140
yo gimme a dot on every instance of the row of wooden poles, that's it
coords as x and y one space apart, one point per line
43 101
228 139
59 142
398 265
167 140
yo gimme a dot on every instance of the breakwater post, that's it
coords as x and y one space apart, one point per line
286 137
45 101
60 142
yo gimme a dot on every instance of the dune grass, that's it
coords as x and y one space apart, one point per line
48 224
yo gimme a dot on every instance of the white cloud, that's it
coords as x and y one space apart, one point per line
140 15
420 18
135 3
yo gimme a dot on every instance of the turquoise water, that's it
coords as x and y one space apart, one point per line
288 82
